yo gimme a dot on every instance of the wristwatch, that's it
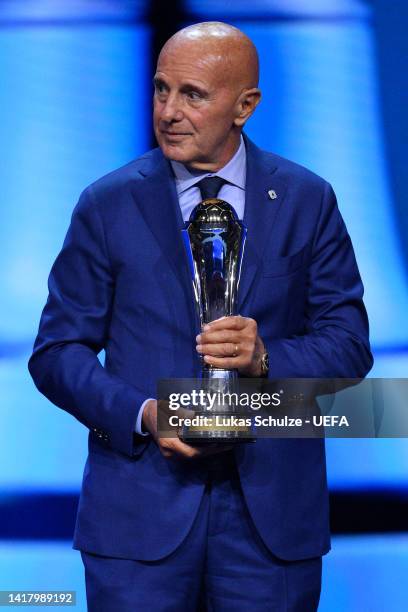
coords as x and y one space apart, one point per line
264 365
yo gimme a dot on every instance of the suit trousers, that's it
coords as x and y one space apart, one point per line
222 564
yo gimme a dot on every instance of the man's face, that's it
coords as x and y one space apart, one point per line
194 107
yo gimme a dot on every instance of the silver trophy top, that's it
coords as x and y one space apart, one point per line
215 239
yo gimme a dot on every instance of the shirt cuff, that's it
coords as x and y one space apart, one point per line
138 426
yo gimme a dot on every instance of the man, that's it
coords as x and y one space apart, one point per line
161 524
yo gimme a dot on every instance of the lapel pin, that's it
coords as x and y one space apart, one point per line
272 194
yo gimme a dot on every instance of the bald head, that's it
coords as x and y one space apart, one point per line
229 47
206 88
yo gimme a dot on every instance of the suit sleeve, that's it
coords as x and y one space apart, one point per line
336 339
73 329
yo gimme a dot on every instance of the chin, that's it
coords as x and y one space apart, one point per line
175 152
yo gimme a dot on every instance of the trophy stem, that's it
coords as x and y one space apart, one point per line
218 373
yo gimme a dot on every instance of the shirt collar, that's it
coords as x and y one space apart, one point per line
234 171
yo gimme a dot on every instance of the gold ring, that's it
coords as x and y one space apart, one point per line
235 354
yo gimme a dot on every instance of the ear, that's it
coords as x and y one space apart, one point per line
246 104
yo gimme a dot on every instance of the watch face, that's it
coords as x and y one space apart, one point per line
265 363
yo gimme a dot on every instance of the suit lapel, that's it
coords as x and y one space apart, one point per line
260 212
156 198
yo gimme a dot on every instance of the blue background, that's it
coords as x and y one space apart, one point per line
75 99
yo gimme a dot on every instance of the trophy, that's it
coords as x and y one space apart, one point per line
214 239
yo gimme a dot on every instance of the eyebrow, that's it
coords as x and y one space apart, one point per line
185 87
158 81
192 87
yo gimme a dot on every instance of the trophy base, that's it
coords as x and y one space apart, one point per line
219 428
222 423
208 441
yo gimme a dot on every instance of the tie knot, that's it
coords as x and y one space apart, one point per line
210 186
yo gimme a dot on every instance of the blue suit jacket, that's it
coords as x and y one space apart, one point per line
121 283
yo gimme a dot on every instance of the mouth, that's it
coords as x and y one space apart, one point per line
175 135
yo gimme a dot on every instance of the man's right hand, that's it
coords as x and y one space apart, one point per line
174 447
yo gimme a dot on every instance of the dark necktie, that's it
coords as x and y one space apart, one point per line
210 186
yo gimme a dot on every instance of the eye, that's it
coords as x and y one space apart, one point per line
194 95
159 88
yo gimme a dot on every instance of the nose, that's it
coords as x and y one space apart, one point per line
171 110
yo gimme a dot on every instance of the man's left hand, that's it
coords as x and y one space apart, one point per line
232 343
